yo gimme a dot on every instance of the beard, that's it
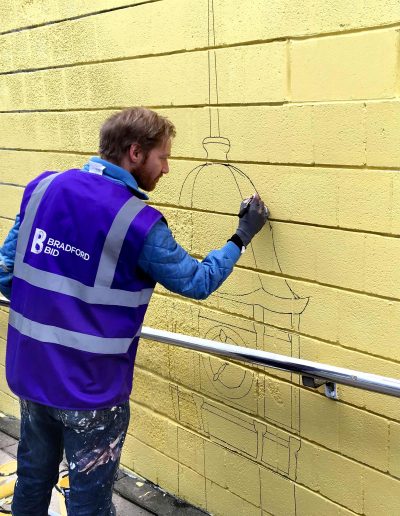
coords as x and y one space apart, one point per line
144 182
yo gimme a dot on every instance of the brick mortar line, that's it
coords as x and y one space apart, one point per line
309 281
172 296
325 497
205 48
244 162
301 387
7 218
44 151
284 37
355 30
298 436
103 61
398 64
283 380
305 280
387 360
294 482
282 221
316 166
6 393
289 88
290 222
248 367
364 353
203 476
223 105
77 17
257 368
162 106
12 184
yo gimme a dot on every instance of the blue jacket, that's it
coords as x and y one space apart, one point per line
162 258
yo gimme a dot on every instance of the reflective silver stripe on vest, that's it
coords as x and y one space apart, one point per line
74 288
68 338
100 293
30 214
114 241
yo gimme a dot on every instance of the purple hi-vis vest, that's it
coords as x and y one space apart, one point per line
78 298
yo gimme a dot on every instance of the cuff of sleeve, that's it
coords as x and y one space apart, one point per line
237 240
232 251
5 291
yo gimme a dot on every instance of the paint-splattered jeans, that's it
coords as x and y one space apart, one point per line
92 440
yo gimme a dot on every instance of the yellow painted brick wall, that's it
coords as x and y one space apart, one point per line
308 95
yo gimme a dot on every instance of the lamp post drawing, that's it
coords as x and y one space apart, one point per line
259 430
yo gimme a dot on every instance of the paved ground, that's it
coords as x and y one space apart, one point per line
8 450
133 496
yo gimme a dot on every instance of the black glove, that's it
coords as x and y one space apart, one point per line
253 215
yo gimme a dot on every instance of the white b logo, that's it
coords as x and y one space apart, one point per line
38 241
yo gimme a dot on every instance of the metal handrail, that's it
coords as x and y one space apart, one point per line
314 374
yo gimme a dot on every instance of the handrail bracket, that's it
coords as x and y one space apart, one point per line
315 382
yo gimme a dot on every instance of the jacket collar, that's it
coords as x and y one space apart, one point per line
117 173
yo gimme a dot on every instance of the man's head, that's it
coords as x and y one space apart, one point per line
138 140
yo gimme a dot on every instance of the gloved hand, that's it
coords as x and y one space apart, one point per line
254 217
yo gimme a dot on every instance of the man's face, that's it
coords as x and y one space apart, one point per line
150 168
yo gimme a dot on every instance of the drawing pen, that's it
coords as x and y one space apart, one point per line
246 207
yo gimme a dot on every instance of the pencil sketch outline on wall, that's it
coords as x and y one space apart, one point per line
230 387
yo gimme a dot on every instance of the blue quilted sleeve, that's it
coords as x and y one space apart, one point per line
164 260
7 257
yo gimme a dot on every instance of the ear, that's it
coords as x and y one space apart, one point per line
135 153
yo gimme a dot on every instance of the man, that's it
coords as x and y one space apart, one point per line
80 264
